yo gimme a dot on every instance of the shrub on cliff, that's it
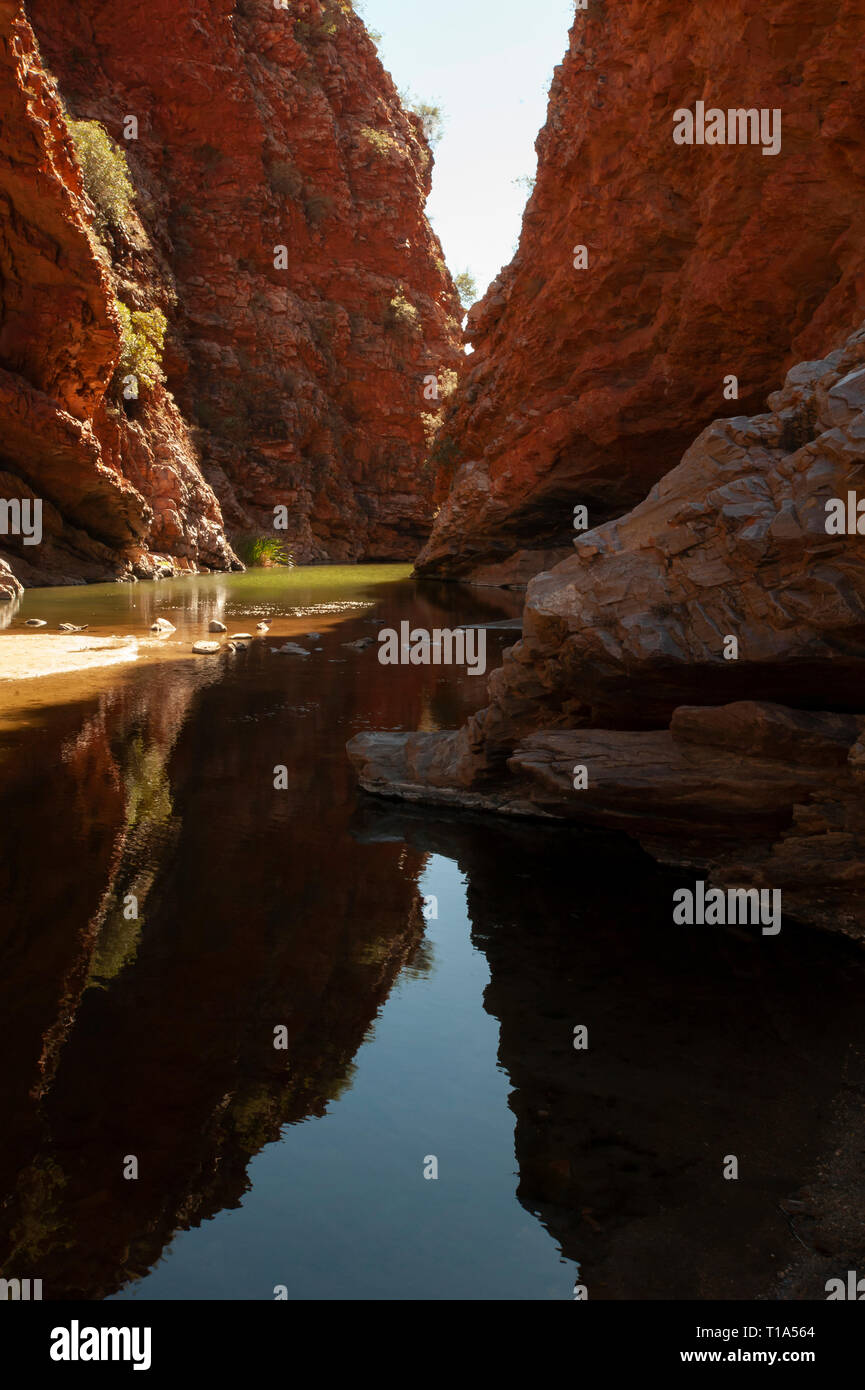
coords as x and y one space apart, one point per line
104 171
402 312
143 344
432 120
431 117
379 139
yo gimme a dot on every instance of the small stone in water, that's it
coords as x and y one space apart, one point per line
35 622
206 648
217 626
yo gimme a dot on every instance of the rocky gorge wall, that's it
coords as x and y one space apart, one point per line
693 673
278 224
587 384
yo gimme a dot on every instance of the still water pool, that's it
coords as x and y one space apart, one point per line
425 971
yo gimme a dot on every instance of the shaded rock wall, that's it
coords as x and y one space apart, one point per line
585 386
726 587
114 490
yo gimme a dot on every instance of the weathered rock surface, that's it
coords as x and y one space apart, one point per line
10 588
636 626
586 385
259 128
762 795
114 490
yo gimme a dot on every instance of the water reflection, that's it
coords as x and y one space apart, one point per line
150 1033
167 911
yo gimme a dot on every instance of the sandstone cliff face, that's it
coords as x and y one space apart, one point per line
303 387
114 491
258 128
723 591
703 261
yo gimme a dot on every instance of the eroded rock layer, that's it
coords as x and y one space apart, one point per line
305 383
278 223
704 261
115 491
701 659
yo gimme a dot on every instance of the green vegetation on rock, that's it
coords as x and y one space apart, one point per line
104 171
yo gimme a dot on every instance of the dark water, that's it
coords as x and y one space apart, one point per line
412 1032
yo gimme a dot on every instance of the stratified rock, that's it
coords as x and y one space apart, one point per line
727 585
113 488
758 794
586 385
281 191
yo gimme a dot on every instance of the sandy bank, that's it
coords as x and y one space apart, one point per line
46 654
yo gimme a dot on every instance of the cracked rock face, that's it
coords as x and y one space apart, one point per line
113 489
586 385
723 589
293 378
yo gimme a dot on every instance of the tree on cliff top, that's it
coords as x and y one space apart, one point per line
466 287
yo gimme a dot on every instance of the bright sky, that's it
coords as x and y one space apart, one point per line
488 64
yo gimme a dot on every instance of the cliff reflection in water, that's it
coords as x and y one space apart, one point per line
703 1043
152 1034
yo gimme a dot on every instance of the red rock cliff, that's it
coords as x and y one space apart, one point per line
703 261
258 128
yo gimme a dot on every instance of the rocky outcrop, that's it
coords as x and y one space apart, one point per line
115 491
702 661
10 588
282 187
707 261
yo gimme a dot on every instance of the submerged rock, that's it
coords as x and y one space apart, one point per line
291 649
